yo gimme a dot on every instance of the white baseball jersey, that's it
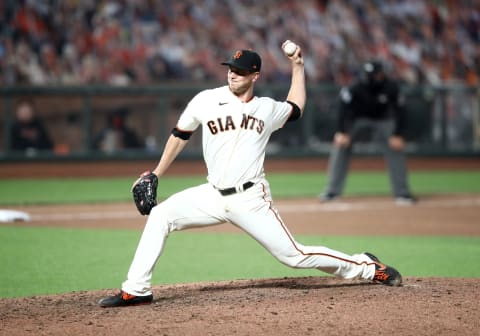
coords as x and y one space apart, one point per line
224 117
235 135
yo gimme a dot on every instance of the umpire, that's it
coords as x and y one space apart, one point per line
372 104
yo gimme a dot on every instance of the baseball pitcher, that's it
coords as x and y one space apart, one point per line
236 127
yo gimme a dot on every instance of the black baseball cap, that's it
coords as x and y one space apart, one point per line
373 67
245 60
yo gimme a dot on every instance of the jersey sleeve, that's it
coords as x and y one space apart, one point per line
190 118
281 112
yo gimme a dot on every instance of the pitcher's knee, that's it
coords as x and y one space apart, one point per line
156 209
290 260
159 217
157 213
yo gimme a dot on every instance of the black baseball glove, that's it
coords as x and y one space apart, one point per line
145 192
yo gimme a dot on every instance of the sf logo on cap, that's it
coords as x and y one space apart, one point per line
238 54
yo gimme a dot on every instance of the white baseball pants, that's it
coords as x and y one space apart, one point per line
253 212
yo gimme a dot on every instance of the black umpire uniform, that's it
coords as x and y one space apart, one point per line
373 104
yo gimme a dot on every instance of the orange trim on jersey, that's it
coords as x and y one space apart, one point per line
293 241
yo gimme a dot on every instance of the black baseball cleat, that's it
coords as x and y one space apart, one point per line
327 197
405 200
385 274
124 299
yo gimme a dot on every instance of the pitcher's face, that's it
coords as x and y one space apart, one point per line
240 81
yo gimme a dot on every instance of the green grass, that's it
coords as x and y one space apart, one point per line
48 191
376 183
56 260
78 190
49 260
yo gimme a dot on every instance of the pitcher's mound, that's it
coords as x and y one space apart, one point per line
289 306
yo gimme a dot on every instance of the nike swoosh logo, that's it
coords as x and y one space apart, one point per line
220 103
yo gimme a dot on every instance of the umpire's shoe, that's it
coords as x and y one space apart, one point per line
385 274
123 299
328 197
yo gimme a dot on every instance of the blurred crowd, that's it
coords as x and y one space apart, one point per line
129 42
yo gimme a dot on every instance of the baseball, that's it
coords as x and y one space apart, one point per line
289 48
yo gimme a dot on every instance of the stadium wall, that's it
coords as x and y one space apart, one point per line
442 121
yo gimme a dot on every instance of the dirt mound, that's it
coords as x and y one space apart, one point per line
289 306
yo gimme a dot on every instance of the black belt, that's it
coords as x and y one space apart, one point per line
233 190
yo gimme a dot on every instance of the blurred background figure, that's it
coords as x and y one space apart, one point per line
372 108
28 132
116 135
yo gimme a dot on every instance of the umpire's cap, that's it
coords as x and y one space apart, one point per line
245 60
373 67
